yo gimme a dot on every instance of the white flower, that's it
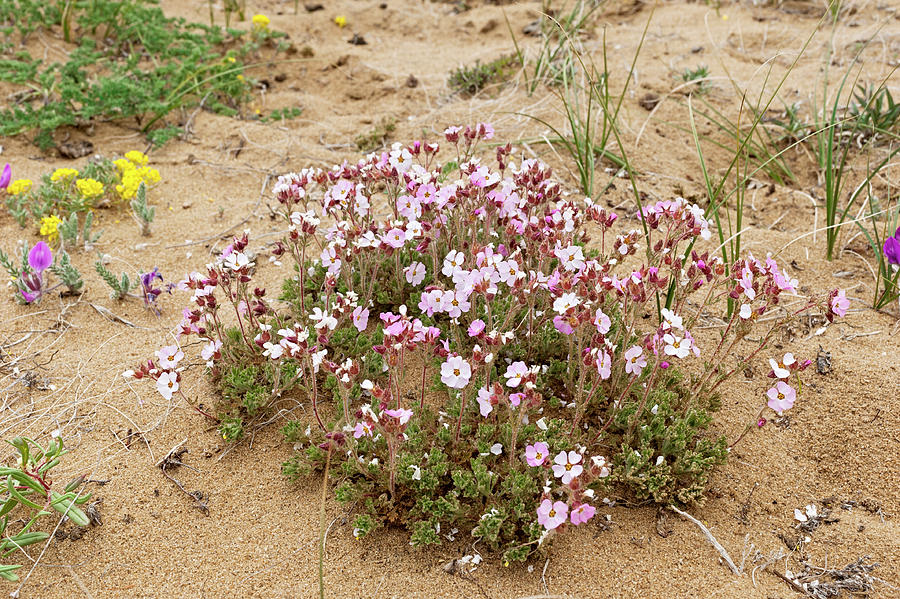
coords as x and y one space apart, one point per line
746 311
564 302
323 319
417 472
272 350
497 448
237 260
456 372
675 346
167 384
672 320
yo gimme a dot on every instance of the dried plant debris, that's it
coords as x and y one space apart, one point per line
854 579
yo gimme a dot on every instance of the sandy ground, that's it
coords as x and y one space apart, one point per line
840 446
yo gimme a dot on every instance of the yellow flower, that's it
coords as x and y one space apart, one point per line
137 157
19 186
89 188
340 20
50 227
150 176
240 77
123 164
131 180
230 59
63 174
260 22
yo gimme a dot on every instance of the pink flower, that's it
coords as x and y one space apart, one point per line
452 262
604 365
564 324
394 238
602 322
456 372
515 399
485 406
476 327
361 318
634 360
567 466
361 429
840 303
430 302
402 416
551 515
169 357
536 454
454 303
415 273
581 513
746 284
514 373
781 397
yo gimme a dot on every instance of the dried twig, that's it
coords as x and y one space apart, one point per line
710 538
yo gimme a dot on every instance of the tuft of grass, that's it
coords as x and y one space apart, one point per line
469 80
699 77
378 136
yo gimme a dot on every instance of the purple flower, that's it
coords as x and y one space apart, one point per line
892 248
40 257
6 176
149 291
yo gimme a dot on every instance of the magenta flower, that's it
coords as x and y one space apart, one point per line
536 454
40 257
551 515
476 327
581 513
781 397
563 325
840 303
6 177
891 246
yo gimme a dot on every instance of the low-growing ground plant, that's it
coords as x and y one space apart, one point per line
27 497
489 359
30 277
377 136
131 63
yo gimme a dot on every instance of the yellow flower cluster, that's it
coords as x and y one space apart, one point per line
137 158
134 171
260 22
89 188
50 227
19 186
340 21
63 174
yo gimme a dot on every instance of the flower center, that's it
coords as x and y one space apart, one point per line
781 396
568 466
456 372
552 513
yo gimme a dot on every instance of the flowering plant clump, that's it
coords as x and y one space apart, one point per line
30 278
482 354
62 207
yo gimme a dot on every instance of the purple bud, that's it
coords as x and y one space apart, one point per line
40 257
6 177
